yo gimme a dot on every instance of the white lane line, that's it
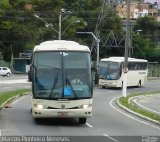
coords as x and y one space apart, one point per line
13 103
111 138
131 116
145 107
89 125
14 81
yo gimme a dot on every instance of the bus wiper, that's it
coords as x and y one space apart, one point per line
45 66
74 92
108 76
54 85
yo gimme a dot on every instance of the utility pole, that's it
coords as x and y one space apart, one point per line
127 43
59 31
60 25
97 45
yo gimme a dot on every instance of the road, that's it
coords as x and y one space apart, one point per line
107 121
14 82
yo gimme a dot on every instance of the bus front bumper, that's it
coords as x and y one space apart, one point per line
108 84
63 113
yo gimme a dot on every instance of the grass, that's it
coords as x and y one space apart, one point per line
5 96
124 101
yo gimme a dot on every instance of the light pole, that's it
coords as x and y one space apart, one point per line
47 24
77 21
97 44
59 32
60 25
125 69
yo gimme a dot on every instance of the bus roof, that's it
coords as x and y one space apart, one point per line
121 59
59 45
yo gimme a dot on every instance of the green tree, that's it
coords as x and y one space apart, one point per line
148 26
20 30
145 38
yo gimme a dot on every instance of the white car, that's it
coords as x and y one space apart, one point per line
5 71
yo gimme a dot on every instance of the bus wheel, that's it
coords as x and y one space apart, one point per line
103 87
139 83
37 120
82 120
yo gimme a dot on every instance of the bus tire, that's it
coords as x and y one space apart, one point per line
82 120
36 120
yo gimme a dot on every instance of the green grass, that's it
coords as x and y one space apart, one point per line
124 101
5 96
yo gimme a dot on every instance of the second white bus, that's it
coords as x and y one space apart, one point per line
111 72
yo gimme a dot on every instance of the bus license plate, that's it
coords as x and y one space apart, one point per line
62 114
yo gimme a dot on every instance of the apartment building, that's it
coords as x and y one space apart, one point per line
138 9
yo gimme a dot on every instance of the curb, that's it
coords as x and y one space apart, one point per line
13 98
132 100
137 114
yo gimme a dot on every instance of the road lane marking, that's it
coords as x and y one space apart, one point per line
130 115
111 138
14 81
13 103
89 125
145 107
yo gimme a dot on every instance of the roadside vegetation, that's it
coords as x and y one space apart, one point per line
20 30
6 96
125 102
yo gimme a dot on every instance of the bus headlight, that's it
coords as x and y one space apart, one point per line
85 106
39 106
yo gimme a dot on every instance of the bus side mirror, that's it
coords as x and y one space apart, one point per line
30 73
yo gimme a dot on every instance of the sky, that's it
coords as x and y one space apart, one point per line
153 1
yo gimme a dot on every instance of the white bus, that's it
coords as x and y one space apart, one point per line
61 81
111 72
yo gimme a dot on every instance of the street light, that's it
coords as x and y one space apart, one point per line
59 32
60 22
77 21
139 31
97 44
47 24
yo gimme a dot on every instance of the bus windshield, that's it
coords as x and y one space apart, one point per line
110 70
62 75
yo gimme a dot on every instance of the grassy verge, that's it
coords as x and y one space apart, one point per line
5 96
124 101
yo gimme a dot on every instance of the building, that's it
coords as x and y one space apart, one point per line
138 9
155 2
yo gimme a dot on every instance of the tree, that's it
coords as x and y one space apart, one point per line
148 26
145 38
20 30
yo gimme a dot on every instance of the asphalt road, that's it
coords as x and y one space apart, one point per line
108 121
14 82
150 103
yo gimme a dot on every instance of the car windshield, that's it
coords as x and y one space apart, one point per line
109 70
62 75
